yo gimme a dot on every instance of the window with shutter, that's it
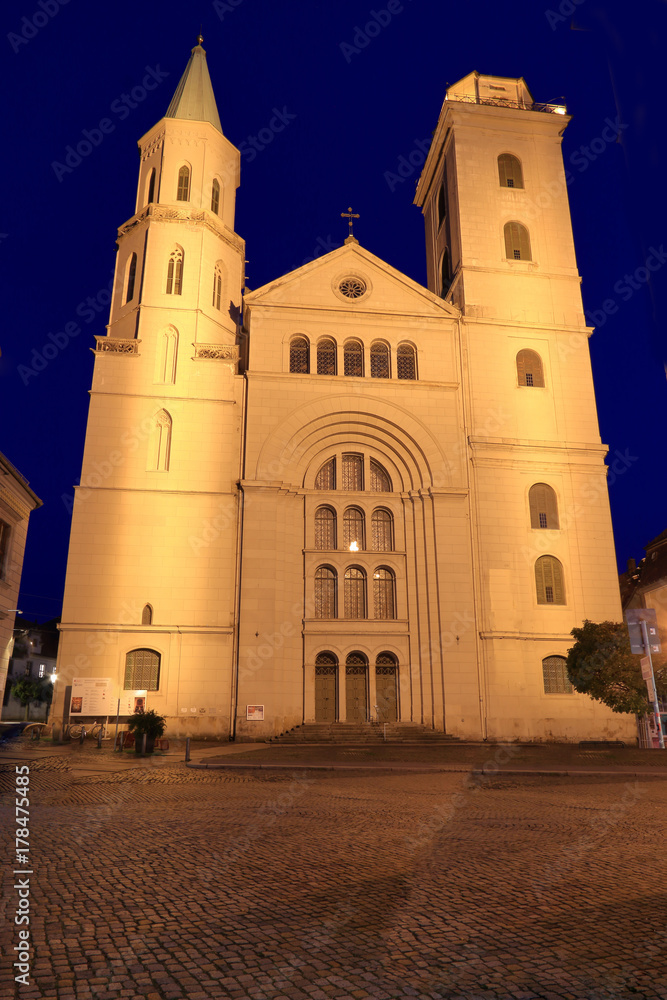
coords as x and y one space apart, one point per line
183 193
517 242
215 196
509 171
549 581
529 369
543 506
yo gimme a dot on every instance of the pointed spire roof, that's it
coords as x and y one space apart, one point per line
194 99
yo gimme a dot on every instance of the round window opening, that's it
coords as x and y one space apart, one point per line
352 288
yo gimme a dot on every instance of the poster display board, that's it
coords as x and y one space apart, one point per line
92 696
254 713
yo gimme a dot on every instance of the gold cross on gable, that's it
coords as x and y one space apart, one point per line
349 215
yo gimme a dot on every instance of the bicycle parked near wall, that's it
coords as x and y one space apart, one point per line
94 730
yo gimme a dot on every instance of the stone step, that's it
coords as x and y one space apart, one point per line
362 732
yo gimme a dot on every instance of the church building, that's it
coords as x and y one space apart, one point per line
344 497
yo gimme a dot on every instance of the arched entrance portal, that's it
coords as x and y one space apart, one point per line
356 698
326 669
386 675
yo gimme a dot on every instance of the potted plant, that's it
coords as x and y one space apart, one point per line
149 724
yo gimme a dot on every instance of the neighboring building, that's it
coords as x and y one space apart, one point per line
17 501
645 585
34 658
343 495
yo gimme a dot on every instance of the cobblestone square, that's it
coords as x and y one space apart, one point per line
165 882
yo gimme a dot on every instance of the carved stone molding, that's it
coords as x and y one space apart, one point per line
217 352
112 345
186 216
14 503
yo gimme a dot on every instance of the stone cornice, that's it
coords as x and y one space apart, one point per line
183 216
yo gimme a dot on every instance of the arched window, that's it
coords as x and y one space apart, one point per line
353 472
147 615
353 357
380 481
442 204
529 369
215 196
326 357
380 361
175 272
299 356
549 581
381 531
445 274
167 353
161 444
326 477
406 365
151 187
509 171
325 592
183 193
142 670
131 276
353 530
555 676
383 593
355 592
325 528
517 242
386 675
543 506
217 285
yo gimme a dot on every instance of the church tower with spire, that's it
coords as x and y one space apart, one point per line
149 599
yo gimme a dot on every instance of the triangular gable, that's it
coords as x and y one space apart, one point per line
318 284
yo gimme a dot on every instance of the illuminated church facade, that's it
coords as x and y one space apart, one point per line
344 497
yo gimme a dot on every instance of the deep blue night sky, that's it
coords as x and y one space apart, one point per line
350 116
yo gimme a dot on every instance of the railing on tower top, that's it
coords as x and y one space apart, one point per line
504 102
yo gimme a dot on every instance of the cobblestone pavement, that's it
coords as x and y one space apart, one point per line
163 882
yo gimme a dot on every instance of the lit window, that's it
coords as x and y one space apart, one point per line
543 506
326 357
517 242
549 581
175 272
353 530
529 369
355 592
42 668
380 361
383 593
215 196
325 592
509 171
299 356
554 672
325 528
183 193
381 531
406 366
353 358
142 670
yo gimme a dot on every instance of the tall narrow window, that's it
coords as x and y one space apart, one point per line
183 193
442 205
529 369
406 365
325 528
380 481
509 171
151 187
383 593
175 272
381 531
4 546
147 615
555 676
353 472
517 242
380 361
131 276
215 196
353 357
543 506
353 530
299 356
549 581
325 592
355 592
326 477
167 354
162 442
217 286
445 273
142 670
326 357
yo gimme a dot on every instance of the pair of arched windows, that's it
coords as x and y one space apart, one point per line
355 593
353 359
175 272
529 369
183 189
353 475
142 670
354 529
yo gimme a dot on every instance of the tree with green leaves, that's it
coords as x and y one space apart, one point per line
601 665
32 692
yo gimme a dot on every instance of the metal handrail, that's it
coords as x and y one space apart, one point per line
503 102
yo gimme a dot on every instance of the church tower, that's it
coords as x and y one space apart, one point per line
149 601
500 247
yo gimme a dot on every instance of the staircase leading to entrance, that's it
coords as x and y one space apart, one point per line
362 732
